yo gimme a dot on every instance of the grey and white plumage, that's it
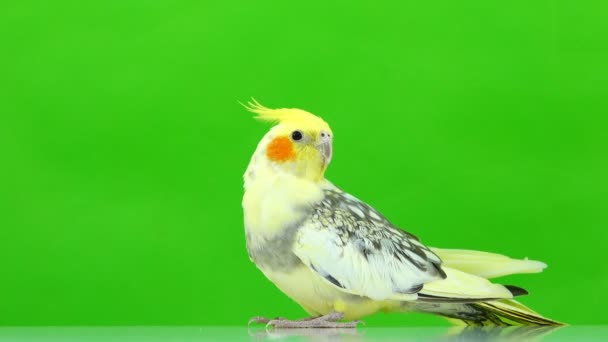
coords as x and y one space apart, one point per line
348 235
332 253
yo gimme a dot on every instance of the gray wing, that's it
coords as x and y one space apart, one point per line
356 249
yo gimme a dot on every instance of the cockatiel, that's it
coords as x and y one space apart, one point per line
341 259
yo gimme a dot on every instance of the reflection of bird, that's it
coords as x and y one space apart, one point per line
339 258
309 334
528 333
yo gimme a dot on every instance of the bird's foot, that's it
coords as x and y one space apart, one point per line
327 321
262 320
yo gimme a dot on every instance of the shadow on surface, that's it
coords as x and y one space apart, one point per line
451 334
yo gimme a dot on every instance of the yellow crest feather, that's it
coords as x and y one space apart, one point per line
282 115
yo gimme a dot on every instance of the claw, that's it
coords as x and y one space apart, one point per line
259 320
328 321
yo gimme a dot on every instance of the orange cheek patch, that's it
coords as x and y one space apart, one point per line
280 149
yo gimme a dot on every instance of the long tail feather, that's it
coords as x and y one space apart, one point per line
467 273
506 312
486 265
511 312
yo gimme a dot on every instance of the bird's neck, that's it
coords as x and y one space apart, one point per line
260 168
274 198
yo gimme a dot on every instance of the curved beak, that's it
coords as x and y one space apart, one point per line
326 151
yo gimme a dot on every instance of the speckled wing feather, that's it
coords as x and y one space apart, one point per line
352 246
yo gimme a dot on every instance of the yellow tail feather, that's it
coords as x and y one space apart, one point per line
486 265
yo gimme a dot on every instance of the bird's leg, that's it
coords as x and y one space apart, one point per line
309 318
265 320
327 321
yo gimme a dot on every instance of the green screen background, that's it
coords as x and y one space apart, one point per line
472 124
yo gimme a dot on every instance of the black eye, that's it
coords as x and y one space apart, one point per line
296 135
